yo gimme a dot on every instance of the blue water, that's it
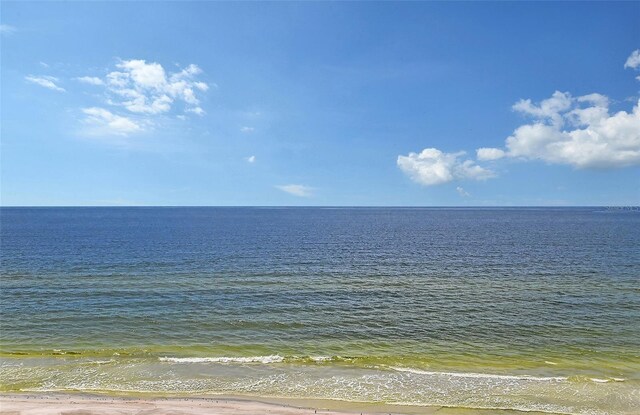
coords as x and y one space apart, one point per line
514 308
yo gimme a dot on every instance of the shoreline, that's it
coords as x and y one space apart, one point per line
87 404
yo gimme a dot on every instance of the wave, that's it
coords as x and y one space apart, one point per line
251 359
481 375
225 359
506 377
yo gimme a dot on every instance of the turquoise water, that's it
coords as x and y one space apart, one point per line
525 309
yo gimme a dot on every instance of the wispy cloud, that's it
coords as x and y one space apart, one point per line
246 129
297 190
196 110
45 81
251 159
91 80
633 61
6 29
462 192
487 153
102 122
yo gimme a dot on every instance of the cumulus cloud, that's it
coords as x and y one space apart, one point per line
147 88
45 81
91 80
297 190
104 122
251 159
432 167
633 61
580 132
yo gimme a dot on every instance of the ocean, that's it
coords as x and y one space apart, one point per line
531 309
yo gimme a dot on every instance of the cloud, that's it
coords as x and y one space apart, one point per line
462 192
251 159
579 132
633 61
432 167
297 190
91 80
489 153
147 88
548 109
104 122
45 81
196 110
6 29
247 129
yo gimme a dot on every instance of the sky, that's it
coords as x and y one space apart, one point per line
320 103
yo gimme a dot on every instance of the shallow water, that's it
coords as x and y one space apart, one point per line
529 309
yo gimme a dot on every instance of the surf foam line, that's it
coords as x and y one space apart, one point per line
224 359
482 375
506 377
250 359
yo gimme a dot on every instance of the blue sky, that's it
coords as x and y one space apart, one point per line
181 103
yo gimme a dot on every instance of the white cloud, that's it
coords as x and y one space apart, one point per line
196 110
91 80
251 159
297 190
432 167
548 109
486 153
45 81
575 131
147 88
633 61
6 29
462 192
104 122
247 129
144 75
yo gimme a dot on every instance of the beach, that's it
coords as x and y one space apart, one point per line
65 404
60 404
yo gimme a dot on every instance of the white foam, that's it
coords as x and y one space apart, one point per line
320 358
481 375
224 359
599 380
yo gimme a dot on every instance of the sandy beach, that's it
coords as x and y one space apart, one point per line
79 405
61 404
53 404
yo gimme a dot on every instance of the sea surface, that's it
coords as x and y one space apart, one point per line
533 309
